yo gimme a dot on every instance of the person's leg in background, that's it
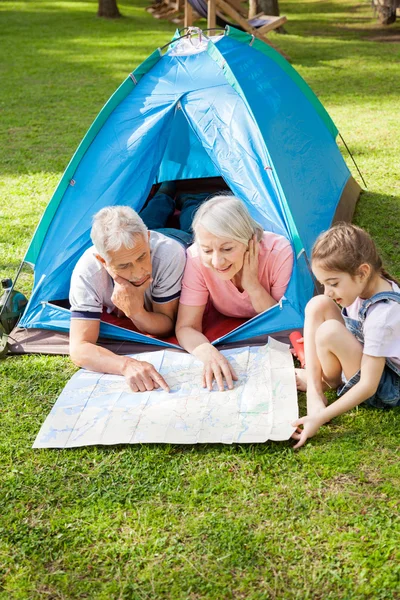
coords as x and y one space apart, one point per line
188 204
160 207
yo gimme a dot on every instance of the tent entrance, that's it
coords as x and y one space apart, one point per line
215 325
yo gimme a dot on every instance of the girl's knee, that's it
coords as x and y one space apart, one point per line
330 332
320 305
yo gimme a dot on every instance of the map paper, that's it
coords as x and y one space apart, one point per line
96 408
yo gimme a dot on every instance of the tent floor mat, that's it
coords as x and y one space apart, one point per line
45 341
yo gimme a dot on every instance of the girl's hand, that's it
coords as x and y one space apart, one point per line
311 424
216 366
250 280
293 349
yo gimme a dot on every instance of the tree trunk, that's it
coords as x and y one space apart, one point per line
385 11
108 9
269 7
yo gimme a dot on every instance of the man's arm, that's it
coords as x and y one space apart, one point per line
160 322
84 352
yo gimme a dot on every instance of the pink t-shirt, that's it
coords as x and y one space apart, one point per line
275 264
381 327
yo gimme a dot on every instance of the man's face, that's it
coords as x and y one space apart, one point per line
132 264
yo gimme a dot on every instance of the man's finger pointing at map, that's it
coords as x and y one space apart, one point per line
142 376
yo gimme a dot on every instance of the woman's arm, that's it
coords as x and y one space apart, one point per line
371 373
189 327
190 336
259 297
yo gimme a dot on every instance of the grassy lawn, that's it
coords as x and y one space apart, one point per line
252 522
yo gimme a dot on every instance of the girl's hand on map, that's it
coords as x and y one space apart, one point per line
141 376
216 366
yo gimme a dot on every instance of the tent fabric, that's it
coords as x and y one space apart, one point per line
223 106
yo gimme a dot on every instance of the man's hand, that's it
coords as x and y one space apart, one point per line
250 279
127 297
311 424
142 376
216 366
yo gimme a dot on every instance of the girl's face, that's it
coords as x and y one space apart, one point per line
223 255
341 287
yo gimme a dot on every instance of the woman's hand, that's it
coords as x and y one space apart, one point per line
250 280
216 366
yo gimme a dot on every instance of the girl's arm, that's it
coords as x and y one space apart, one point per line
191 338
371 373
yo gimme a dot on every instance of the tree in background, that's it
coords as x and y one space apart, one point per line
108 9
386 10
269 7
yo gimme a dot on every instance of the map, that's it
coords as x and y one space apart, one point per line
96 408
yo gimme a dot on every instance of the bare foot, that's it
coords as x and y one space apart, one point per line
301 379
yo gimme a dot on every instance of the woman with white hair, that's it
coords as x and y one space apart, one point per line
242 269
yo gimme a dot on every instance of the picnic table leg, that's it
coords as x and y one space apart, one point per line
188 19
211 18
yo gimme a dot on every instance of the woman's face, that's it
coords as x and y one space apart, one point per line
223 255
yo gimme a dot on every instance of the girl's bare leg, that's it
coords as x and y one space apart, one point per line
338 350
301 381
318 310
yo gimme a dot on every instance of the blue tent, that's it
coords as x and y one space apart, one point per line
225 106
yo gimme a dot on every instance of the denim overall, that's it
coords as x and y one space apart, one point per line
388 393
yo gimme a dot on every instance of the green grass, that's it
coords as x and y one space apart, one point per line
253 522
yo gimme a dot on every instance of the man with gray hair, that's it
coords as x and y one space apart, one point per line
132 270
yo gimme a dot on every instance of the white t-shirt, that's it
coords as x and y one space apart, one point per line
381 327
92 287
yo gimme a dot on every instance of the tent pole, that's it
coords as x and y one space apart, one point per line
352 158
